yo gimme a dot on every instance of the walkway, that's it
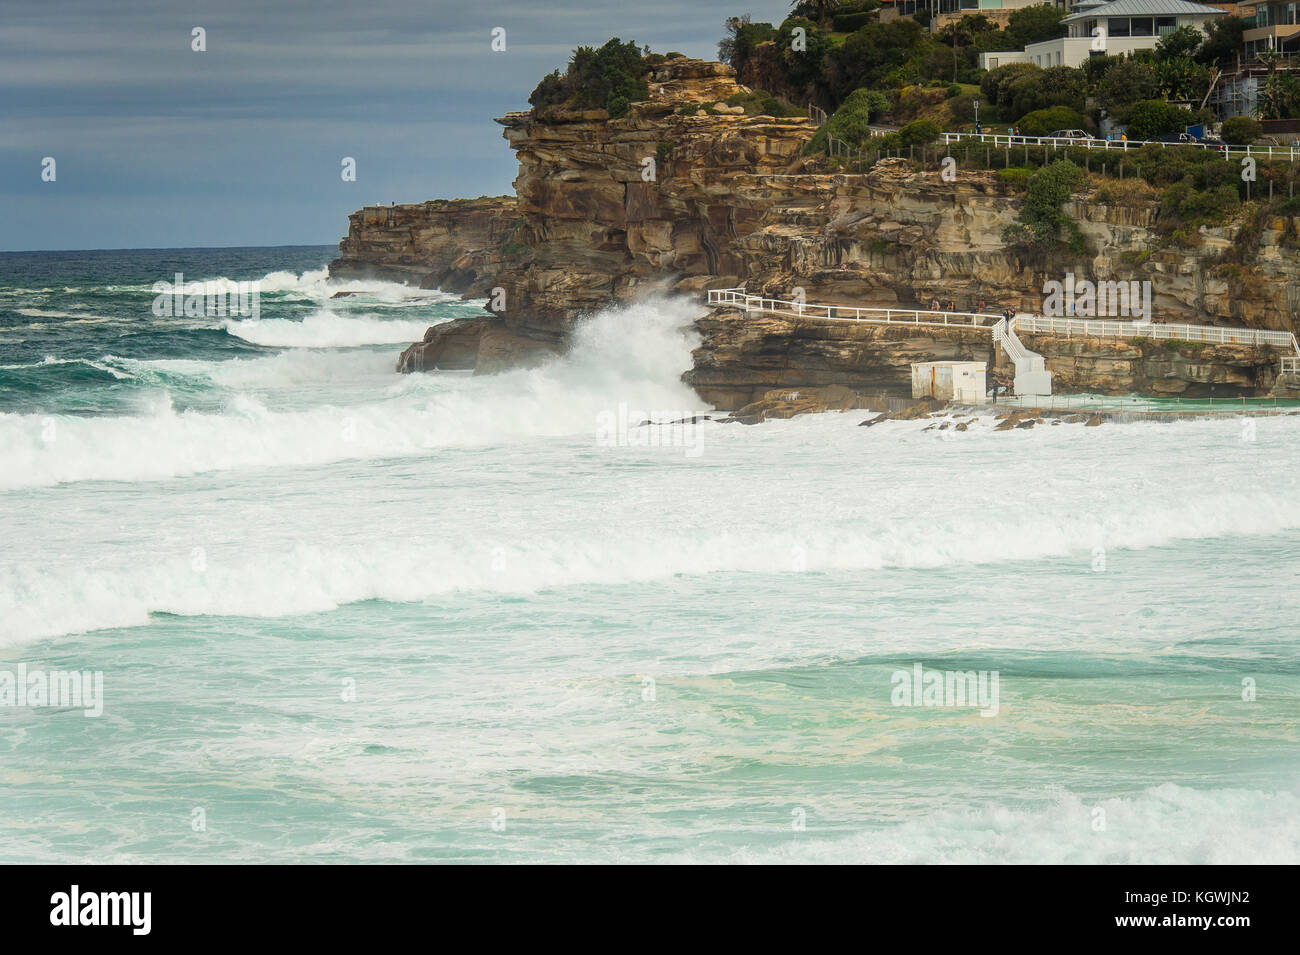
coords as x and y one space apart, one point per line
1026 362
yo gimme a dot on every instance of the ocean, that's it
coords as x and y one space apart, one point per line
346 615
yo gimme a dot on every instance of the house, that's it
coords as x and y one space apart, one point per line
943 12
1276 27
1096 28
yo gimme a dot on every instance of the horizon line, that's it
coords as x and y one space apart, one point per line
173 248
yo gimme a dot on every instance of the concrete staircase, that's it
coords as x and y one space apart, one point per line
1032 377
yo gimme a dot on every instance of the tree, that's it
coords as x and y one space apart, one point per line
964 32
737 46
1278 97
1027 25
817 10
1095 68
1054 86
867 55
851 123
1044 226
1183 42
1151 119
995 81
611 77
1181 78
1222 42
549 92
803 67
1125 83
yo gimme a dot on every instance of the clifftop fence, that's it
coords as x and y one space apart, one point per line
1022 322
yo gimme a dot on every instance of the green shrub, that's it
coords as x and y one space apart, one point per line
1016 177
1149 119
741 41
992 83
549 92
762 103
1054 86
1185 204
1043 122
849 22
962 109
617 105
919 132
1044 227
612 77
851 122
1287 207
1241 130
1125 83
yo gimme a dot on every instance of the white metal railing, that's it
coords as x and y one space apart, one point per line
1104 328
1291 153
850 313
1004 332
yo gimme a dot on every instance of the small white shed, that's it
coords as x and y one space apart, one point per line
961 381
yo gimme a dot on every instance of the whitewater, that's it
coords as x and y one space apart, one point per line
353 615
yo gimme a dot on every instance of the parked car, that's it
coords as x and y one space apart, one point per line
1177 138
1077 134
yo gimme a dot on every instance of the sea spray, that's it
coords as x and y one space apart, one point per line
632 355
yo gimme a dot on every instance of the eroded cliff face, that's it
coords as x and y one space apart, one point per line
678 196
455 245
899 236
743 357
661 196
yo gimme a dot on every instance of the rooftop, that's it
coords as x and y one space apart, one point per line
1144 8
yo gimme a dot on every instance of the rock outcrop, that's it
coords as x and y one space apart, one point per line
684 193
453 245
658 198
742 357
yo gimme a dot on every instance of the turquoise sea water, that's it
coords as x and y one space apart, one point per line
346 615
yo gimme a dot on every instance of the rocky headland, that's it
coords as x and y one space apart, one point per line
685 193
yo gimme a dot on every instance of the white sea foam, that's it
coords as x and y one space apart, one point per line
316 284
1164 825
818 494
635 354
268 569
324 329
295 371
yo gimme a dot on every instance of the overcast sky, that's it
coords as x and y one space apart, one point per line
157 146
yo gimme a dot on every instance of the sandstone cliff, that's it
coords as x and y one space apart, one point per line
454 245
679 195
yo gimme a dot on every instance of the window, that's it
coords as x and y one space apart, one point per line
1277 14
1117 26
1166 25
1141 26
